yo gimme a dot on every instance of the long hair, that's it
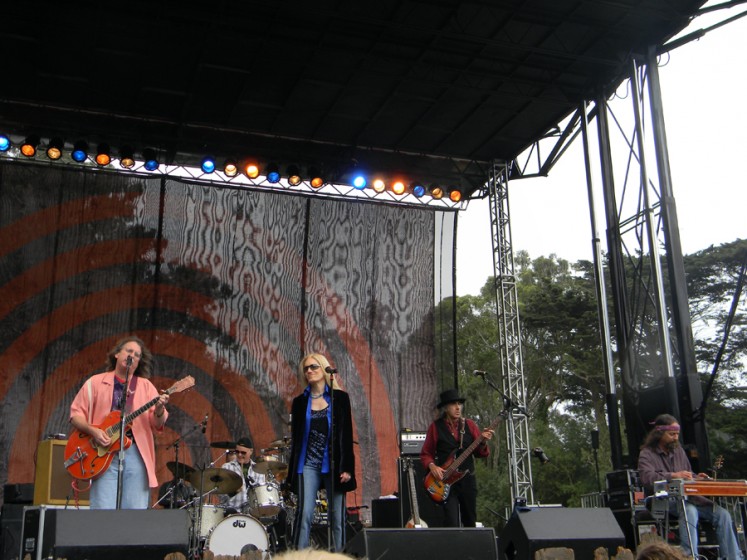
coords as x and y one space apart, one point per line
145 365
322 361
654 436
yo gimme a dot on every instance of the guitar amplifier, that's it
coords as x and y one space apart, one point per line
52 482
410 443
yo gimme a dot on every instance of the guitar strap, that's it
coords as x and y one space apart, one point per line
90 400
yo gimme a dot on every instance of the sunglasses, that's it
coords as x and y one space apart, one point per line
312 367
242 453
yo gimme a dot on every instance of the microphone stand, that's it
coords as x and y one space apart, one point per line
177 484
122 404
331 485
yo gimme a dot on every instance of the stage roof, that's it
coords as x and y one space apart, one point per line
435 88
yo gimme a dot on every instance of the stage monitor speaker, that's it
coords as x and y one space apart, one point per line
425 544
99 534
52 482
430 512
581 529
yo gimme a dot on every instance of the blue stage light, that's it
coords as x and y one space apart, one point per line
80 152
208 164
418 190
272 173
151 163
359 182
4 143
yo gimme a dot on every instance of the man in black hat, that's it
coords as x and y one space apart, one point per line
243 465
445 441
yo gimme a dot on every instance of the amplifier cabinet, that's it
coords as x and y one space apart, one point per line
52 482
410 443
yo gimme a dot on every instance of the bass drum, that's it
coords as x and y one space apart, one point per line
237 534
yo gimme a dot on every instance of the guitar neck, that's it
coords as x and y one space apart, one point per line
413 494
130 417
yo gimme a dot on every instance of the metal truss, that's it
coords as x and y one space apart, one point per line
653 330
509 333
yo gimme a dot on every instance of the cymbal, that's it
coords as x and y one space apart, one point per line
179 469
223 444
222 481
268 465
279 443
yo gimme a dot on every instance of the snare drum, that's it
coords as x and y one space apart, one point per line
211 516
264 500
236 532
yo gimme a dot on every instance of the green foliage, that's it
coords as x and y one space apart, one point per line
564 374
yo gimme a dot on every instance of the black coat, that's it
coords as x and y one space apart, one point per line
344 458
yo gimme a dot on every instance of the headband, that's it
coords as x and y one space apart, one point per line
668 428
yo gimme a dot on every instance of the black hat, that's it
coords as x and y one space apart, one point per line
245 442
449 396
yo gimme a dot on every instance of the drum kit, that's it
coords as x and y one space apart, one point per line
263 522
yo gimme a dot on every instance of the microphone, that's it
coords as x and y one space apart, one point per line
204 423
479 373
330 370
129 360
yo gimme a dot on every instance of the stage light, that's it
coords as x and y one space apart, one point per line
28 148
455 194
359 181
126 157
541 455
251 170
398 187
230 168
294 176
54 149
417 190
207 164
379 185
315 178
151 162
4 143
436 192
103 156
80 151
272 173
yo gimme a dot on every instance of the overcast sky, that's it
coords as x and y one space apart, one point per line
703 86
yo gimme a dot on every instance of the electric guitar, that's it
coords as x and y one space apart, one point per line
438 490
415 522
87 460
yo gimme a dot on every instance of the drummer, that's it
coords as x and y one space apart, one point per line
244 467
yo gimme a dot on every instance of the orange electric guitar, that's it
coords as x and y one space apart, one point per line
438 490
86 460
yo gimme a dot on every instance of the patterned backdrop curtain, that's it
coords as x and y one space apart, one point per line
231 286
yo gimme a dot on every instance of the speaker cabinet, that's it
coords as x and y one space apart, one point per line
581 529
430 512
425 544
52 482
386 513
99 534
11 521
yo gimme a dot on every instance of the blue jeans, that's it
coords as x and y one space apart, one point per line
135 490
722 523
309 484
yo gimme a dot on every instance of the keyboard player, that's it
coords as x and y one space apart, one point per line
662 458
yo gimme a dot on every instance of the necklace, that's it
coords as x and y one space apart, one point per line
313 396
